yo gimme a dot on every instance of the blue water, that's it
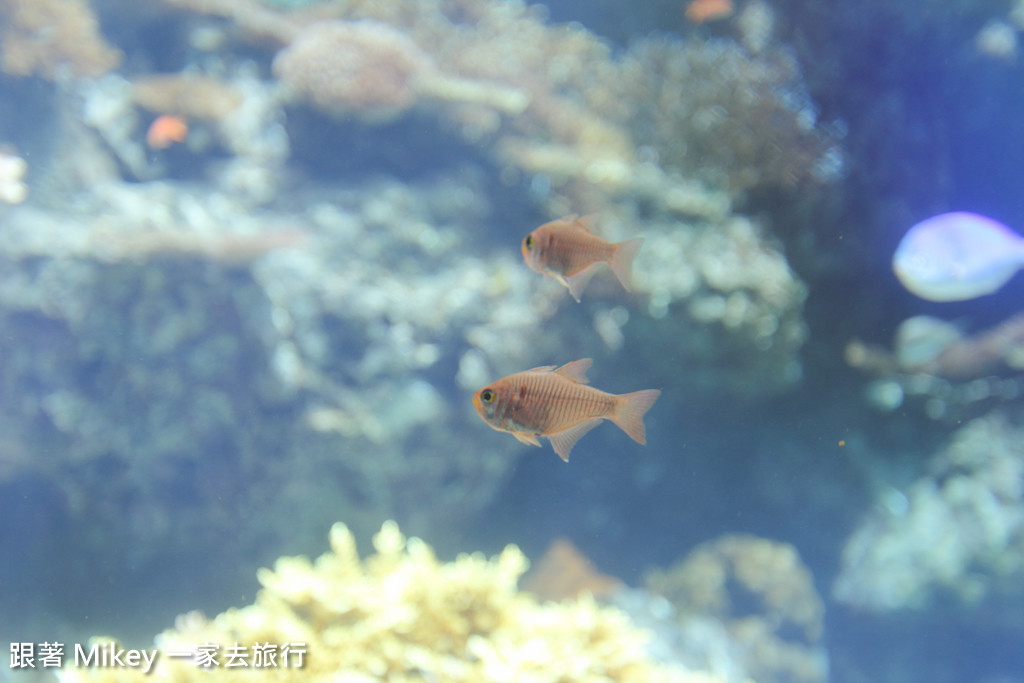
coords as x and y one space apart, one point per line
215 350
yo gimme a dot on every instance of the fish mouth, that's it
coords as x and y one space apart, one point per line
477 404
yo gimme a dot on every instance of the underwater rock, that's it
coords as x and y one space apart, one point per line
957 531
52 39
779 637
191 335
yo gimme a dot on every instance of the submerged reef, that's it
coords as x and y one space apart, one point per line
402 615
957 532
756 599
947 371
239 304
53 39
313 353
280 318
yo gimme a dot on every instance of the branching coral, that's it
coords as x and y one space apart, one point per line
715 112
401 615
370 70
579 111
50 37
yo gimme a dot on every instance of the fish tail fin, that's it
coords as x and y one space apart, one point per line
622 260
629 410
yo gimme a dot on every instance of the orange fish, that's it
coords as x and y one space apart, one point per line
165 131
700 11
567 251
558 405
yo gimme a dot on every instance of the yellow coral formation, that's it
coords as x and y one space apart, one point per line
401 615
48 37
705 583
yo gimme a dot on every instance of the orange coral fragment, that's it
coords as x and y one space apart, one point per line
700 11
564 572
165 131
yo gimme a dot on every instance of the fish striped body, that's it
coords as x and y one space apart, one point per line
568 251
559 405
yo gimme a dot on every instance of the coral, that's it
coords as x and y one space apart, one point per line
708 110
950 371
238 113
370 70
13 189
725 286
401 615
661 135
364 68
49 38
564 572
717 113
780 635
957 531
314 338
190 95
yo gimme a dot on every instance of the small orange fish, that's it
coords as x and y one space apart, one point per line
166 130
569 252
558 405
700 11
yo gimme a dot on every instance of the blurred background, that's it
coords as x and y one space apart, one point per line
256 256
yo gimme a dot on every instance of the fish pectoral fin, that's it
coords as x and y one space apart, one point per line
577 282
576 370
528 439
564 441
565 283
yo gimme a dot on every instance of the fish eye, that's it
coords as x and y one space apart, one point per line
528 241
487 396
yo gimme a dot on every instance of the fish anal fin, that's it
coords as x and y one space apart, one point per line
622 261
576 370
565 440
524 437
629 410
577 282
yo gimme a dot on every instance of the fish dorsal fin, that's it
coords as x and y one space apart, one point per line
528 439
576 370
542 368
584 221
564 441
